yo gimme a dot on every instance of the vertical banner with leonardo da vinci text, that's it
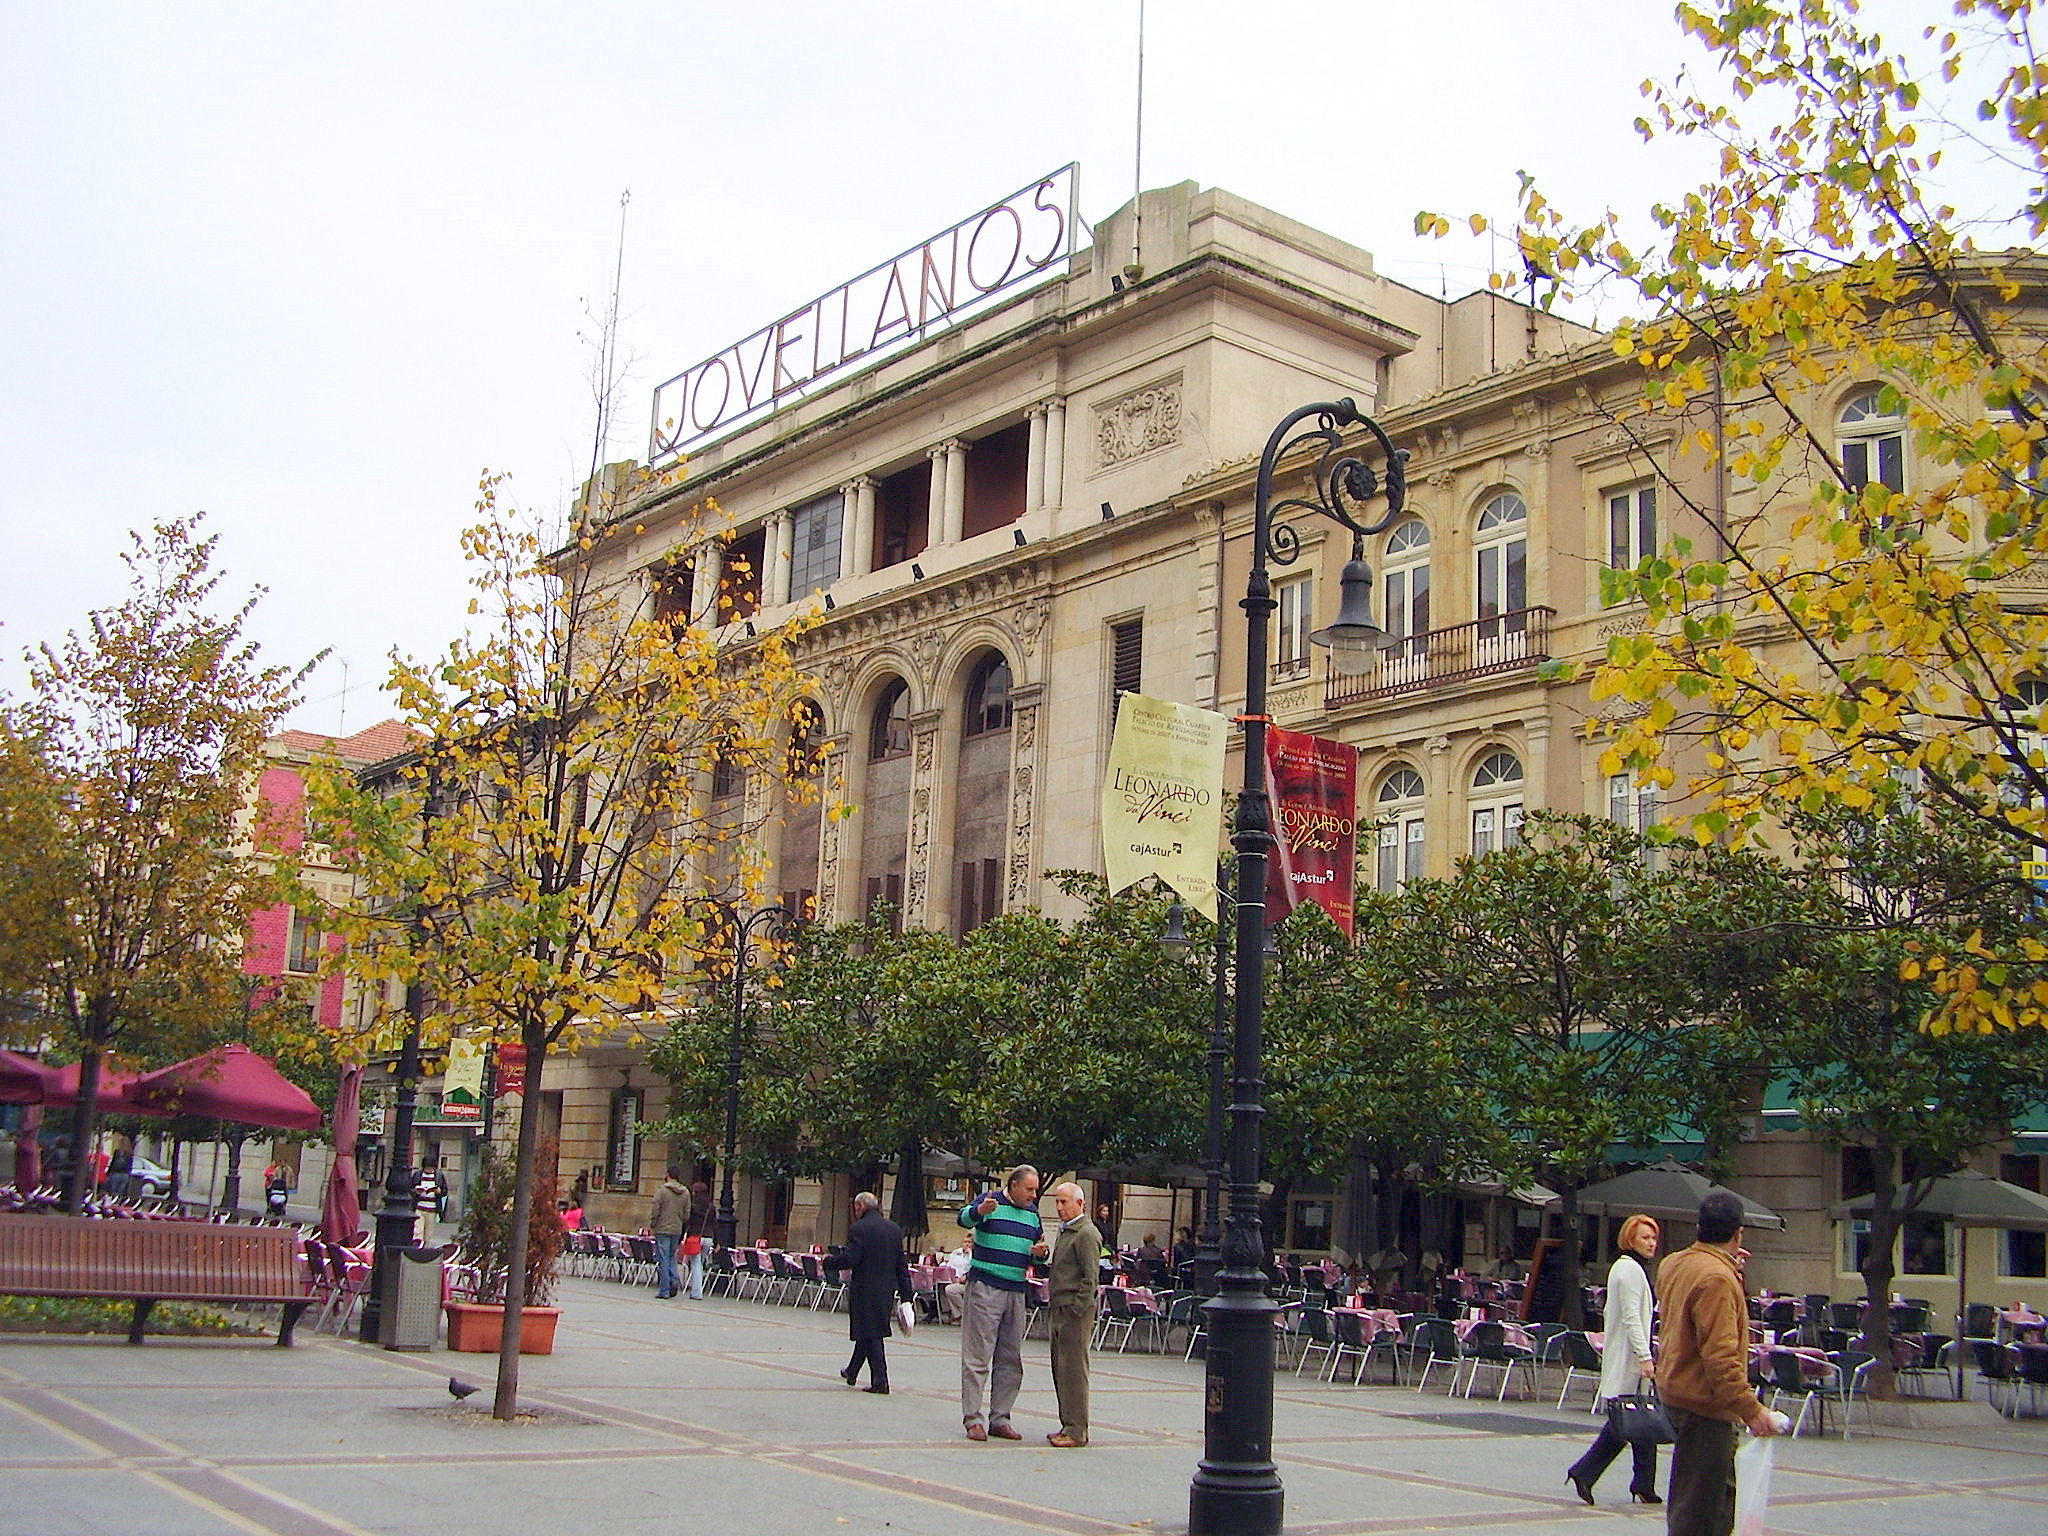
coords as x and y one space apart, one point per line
1314 788
1162 799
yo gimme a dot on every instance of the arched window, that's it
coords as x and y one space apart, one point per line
1501 565
1405 611
1399 809
889 729
988 697
1873 440
805 754
1496 803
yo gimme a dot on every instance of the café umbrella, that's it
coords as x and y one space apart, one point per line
23 1079
1669 1191
341 1211
229 1082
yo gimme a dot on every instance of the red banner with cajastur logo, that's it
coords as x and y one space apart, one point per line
1313 785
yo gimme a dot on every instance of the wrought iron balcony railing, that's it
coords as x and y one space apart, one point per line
1508 642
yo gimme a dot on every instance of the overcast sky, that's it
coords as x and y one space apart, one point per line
313 267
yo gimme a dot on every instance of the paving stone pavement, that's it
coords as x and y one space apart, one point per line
727 1416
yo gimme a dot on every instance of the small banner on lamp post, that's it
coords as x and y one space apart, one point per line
462 1084
1314 788
511 1069
1162 798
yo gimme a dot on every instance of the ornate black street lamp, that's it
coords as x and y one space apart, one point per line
774 923
1236 1490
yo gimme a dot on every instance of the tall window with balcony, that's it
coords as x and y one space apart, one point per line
1496 802
903 513
796 868
1501 573
1872 440
995 480
814 545
303 956
1634 806
1293 618
1404 584
982 798
1402 838
885 801
1631 526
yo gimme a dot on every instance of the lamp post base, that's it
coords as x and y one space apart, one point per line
1236 1489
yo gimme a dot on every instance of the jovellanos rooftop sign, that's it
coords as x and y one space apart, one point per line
865 319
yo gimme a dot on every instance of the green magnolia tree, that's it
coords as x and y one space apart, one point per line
1844 1022
1572 976
541 866
1861 612
1069 1045
125 885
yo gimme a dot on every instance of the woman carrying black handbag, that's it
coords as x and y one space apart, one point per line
1625 1366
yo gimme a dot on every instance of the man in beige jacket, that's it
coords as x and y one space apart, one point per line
1070 1295
1703 1372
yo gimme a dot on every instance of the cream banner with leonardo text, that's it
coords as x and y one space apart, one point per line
1162 799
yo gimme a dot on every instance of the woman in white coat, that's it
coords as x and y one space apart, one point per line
1625 1364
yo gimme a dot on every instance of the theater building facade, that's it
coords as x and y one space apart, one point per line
1029 507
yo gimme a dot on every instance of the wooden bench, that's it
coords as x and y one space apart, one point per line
150 1261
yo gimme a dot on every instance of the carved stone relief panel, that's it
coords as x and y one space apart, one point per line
1021 883
1140 422
831 829
917 861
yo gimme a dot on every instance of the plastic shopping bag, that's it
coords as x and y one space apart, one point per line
1753 1484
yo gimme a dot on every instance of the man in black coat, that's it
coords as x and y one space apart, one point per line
877 1275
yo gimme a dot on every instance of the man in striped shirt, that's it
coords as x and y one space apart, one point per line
1007 1237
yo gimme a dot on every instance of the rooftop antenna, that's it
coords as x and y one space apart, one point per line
1136 269
341 725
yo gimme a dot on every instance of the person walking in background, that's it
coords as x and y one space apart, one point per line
695 1232
877 1277
429 1197
1703 1375
1105 1223
1625 1365
1076 1272
1007 1237
670 1215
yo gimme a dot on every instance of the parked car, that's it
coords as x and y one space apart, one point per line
150 1180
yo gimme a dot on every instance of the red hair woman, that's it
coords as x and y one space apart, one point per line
1625 1364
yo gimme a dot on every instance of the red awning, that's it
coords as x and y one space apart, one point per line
230 1082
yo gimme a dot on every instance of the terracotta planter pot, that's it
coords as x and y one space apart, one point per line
477 1330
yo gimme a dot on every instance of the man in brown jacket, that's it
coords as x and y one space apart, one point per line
1070 1295
1703 1371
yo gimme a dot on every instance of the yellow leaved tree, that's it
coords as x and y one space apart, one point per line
538 870
1859 369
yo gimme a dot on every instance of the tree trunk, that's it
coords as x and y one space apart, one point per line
1878 1273
506 1404
84 1122
1574 1298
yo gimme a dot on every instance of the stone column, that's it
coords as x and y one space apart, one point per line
935 512
1536 794
1034 460
918 871
708 575
775 580
857 526
1055 452
955 526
